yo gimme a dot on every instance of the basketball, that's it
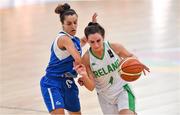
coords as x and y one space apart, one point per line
130 69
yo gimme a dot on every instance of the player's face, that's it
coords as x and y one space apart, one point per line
70 24
96 42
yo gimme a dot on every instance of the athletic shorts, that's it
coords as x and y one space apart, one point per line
125 100
61 93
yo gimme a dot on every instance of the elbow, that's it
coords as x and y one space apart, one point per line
77 60
91 89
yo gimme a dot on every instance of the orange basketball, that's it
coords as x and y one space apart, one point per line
130 69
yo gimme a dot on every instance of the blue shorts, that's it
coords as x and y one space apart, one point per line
62 93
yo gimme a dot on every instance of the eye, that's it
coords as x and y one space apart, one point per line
68 24
75 23
98 40
91 42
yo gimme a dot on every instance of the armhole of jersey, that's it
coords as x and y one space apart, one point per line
109 45
60 54
65 33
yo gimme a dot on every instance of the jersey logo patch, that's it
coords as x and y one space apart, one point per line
110 53
68 83
58 103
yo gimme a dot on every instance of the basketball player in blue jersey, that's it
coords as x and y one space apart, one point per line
58 86
100 70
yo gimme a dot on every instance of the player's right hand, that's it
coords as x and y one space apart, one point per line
80 69
80 81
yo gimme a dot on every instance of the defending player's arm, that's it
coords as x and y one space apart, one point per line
84 70
67 43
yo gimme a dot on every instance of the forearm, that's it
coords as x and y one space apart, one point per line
88 83
71 49
77 57
131 55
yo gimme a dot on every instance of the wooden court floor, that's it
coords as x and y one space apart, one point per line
148 28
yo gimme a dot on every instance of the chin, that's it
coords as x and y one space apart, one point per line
98 49
72 33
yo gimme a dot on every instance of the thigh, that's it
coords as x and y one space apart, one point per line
52 97
106 107
126 99
71 96
126 112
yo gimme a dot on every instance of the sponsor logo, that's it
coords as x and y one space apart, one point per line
68 83
58 103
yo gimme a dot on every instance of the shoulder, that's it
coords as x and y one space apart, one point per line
62 36
119 49
114 46
64 39
76 37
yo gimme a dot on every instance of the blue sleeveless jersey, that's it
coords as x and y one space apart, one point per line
61 61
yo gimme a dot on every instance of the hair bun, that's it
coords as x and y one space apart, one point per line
92 23
60 9
66 6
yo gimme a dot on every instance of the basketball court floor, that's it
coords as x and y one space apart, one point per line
148 28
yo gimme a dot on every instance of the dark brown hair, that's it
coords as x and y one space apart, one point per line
64 10
93 28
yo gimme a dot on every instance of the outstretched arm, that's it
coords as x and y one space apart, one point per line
66 42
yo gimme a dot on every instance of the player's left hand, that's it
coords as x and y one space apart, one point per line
94 18
145 69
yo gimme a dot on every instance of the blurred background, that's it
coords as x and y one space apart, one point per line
148 28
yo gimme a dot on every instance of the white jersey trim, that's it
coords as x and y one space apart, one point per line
51 98
61 54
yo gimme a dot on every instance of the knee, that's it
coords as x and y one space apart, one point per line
57 112
126 112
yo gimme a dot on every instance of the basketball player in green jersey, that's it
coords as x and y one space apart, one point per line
100 70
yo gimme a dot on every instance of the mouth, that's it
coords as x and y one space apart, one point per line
73 30
97 48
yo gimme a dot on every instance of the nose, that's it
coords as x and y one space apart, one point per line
96 45
74 26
